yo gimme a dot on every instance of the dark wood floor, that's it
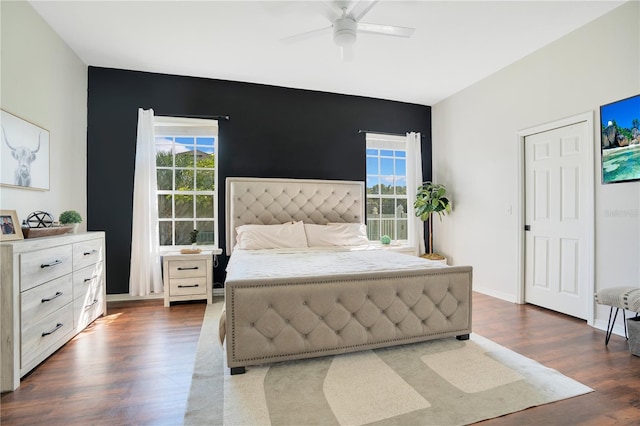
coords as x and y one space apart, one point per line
134 366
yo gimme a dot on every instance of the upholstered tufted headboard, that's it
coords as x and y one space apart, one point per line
270 201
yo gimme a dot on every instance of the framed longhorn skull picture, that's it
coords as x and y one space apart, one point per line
24 159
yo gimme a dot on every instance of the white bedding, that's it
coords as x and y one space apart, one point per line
283 263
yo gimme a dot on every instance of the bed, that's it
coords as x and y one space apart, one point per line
339 293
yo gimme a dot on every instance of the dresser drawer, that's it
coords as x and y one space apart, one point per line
187 268
86 253
38 302
50 330
87 280
188 286
88 308
39 266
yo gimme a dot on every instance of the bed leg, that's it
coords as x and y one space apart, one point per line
237 370
463 337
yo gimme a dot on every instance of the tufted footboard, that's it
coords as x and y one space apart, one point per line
270 320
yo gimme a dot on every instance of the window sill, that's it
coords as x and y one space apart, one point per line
173 249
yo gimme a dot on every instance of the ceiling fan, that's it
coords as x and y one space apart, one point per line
346 25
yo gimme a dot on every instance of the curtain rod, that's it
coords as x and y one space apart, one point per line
386 133
210 117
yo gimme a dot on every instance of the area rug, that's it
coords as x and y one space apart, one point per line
442 382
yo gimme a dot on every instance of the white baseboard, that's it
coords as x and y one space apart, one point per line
497 294
600 324
124 297
618 328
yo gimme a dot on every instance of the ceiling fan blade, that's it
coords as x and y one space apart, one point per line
327 10
306 35
391 30
346 52
361 8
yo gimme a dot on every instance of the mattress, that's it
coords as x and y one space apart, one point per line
331 261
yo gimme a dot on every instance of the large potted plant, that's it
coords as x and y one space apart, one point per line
431 198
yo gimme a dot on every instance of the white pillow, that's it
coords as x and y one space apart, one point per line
255 237
336 234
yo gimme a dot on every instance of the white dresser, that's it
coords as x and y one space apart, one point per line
51 289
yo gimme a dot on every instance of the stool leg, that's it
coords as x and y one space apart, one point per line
610 326
624 319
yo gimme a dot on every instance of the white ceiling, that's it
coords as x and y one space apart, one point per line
456 43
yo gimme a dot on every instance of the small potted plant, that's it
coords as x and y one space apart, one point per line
193 237
70 217
431 198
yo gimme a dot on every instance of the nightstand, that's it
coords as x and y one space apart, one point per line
187 277
395 246
442 262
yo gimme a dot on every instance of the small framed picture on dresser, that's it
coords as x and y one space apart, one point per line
9 226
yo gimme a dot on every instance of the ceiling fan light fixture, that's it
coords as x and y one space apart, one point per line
344 31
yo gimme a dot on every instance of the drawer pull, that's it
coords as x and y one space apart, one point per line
55 262
90 279
180 268
91 304
46 333
188 286
49 299
89 253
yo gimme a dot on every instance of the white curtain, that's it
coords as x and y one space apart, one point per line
415 226
145 277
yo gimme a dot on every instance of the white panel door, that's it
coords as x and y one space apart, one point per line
556 217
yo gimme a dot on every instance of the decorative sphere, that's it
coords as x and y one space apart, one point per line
39 219
385 239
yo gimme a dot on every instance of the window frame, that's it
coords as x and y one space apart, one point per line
395 143
179 127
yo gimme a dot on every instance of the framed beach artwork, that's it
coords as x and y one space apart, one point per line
9 226
25 154
620 143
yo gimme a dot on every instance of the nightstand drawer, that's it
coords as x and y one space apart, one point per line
40 301
40 266
188 286
187 268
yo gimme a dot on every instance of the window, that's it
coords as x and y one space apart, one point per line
386 187
187 180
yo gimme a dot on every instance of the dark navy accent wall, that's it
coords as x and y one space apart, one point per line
272 132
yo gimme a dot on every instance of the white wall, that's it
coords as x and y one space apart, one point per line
475 153
44 82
